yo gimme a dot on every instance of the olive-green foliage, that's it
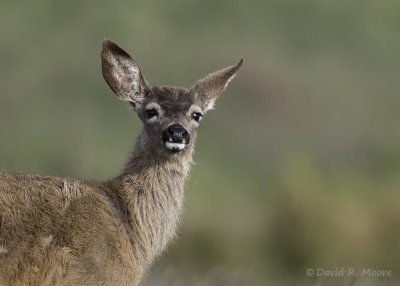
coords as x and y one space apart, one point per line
297 167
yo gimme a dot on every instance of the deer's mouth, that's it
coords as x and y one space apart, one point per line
174 147
175 138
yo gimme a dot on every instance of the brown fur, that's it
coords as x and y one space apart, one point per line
64 231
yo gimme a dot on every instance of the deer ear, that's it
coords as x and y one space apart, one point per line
212 86
122 73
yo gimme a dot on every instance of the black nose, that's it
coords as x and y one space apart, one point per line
177 133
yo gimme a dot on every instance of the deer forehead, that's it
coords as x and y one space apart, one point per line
172 100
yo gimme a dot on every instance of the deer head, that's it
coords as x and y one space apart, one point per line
170 115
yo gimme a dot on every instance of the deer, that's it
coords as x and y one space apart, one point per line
67 231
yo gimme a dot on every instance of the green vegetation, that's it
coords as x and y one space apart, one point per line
299 165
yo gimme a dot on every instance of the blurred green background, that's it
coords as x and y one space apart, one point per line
298 166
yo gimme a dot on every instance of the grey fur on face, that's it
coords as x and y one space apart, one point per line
162 107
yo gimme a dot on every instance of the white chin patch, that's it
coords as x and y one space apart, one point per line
175 146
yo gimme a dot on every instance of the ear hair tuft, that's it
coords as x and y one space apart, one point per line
212 86
122 73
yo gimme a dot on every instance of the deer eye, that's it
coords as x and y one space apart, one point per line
197 116
150 113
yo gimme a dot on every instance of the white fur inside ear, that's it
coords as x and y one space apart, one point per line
229 80
126 74
133 74
210 104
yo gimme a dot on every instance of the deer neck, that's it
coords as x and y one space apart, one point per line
151 191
